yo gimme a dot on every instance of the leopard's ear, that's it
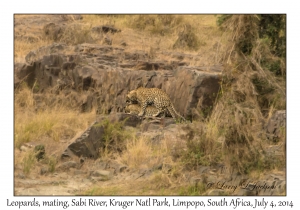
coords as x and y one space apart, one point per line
133 94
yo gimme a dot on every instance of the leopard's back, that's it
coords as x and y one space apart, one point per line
154 96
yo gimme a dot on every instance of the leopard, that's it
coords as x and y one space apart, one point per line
155 97
135 109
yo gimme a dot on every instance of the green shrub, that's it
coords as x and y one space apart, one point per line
114 136
28 162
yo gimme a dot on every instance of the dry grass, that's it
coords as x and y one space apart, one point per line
233 132
138 153
135 188
48 126
28 162
142 154
159 183
55 122
23 47
240 111
26 39
77 34
197 34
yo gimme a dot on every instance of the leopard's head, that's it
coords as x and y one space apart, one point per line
131 97
132 109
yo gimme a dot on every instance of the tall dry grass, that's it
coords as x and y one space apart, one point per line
23 47
54 122
240 112
233 132
142 154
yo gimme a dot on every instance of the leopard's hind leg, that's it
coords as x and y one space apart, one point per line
159 110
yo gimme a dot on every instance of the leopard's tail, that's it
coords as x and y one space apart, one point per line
174 113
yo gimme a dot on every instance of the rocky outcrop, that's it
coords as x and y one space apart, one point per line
107 73
89 143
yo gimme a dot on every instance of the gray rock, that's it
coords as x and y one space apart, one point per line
128 119
100 164
67 165
21 175
111 165
98 173
24 148
246 192
154 125
44 170
194 180
88 144
276 125
217 192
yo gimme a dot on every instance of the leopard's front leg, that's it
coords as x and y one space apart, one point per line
143 108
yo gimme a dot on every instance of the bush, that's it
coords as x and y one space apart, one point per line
255 30
114 137
201 148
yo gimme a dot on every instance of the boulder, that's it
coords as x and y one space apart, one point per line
67 165
128 119
88 144
111 165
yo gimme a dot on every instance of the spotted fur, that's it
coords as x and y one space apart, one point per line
152 96
135 109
